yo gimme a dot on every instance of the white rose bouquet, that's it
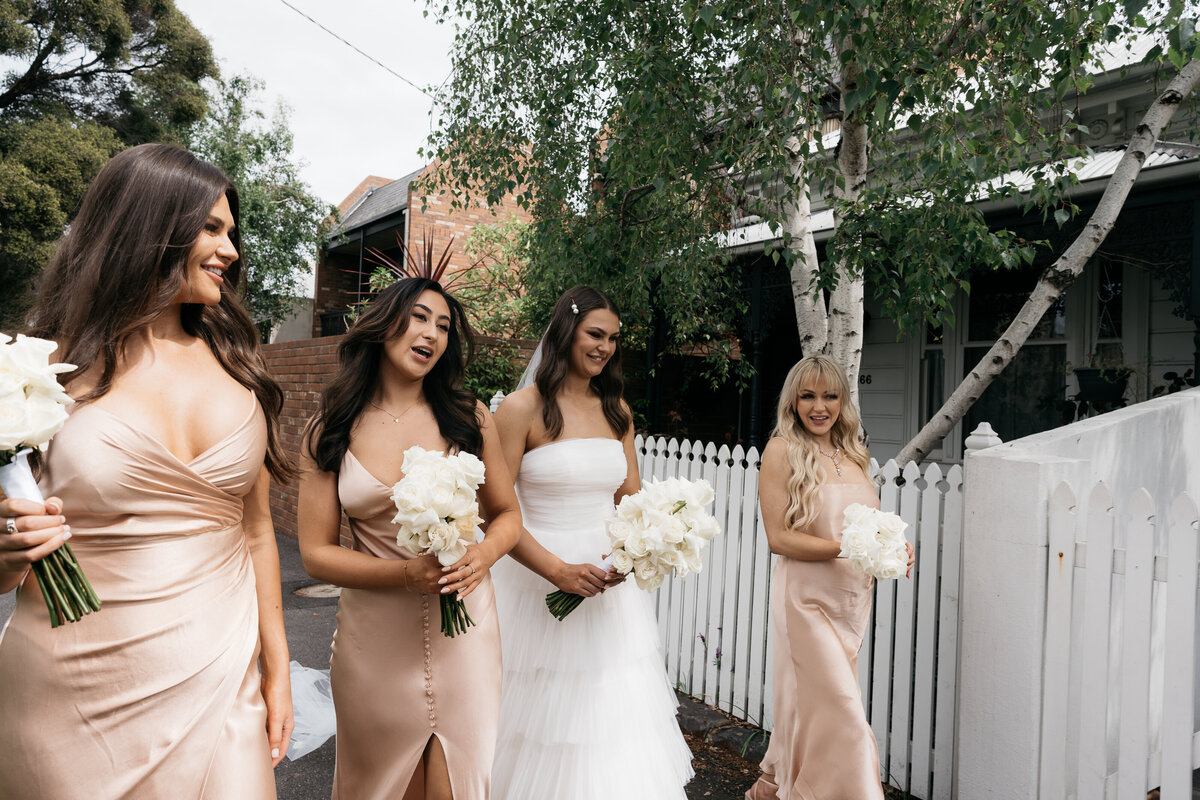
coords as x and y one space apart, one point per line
33 408
437 513
873 541
661 530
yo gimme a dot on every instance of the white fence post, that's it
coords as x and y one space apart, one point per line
495 402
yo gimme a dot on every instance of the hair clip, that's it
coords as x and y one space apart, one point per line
574 308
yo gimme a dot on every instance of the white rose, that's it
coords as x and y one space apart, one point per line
29 358
618 531
693 552
46 417
636 545
859 516
622 561
648 576
891 526
470 470
697 494
15 424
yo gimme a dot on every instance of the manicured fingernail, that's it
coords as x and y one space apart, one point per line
443 580
66 535
274 752
62 520
446 590
447 569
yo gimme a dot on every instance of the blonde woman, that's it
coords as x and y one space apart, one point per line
814 466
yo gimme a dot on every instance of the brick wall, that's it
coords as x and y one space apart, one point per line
433 216
302 367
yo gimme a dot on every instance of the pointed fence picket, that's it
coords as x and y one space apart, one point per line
1101 620
716 630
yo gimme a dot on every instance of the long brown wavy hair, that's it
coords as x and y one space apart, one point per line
568 312
359 353
123 262
806 479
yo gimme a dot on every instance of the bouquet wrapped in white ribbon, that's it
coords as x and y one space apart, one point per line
873 541
437 512
659 531
33 408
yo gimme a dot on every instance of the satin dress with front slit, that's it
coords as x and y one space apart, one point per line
156 695
397 680
822 747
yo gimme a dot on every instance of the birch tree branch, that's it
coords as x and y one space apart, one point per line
1063 272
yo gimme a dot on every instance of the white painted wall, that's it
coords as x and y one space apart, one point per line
1007 487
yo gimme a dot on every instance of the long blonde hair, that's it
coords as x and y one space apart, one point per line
806 479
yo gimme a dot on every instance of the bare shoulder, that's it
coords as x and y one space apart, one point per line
521 403
774 454
483 414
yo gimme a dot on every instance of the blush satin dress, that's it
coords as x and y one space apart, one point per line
157 694
397 680
822 747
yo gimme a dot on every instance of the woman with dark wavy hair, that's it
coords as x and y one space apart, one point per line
163 470
416 711
587 698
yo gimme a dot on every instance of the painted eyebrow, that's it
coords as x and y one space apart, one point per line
214 219
429 310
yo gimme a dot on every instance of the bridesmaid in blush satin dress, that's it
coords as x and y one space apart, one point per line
822 747
160 471
416 711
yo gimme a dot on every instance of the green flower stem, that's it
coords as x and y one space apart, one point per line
55 621
455 619
80 579
562 603
63 571
60 601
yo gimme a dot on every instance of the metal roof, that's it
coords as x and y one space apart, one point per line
1098 166
376 204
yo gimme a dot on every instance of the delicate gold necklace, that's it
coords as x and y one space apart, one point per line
833 457
410 408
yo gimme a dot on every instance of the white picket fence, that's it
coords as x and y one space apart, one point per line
1118 700
715 627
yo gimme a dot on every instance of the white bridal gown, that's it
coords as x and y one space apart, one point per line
586 711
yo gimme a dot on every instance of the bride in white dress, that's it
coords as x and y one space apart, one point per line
587 711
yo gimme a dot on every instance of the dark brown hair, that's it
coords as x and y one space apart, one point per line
124 262
570 309
359 354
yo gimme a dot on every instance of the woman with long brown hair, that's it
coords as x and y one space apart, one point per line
163 470
812 468
416 711
588 711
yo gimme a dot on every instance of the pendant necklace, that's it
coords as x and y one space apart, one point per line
396 418
834 458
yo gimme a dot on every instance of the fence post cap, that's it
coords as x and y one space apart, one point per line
982 438
495 401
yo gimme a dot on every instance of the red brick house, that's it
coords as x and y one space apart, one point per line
372 217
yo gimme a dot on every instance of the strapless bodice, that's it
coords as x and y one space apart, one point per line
570 481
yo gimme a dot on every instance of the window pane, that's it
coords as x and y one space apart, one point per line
933 383
996 297
1027 397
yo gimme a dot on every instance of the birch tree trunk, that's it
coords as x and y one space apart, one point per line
1063 272
846 300
812 321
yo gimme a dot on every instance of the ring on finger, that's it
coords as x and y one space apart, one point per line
472 566
10 525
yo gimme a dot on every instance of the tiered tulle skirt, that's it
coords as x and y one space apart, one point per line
586 711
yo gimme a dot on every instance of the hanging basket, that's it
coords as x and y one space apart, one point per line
1098 385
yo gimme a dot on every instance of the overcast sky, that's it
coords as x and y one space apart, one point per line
351 118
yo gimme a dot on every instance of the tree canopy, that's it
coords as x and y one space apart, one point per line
83 80
638 130
281 219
